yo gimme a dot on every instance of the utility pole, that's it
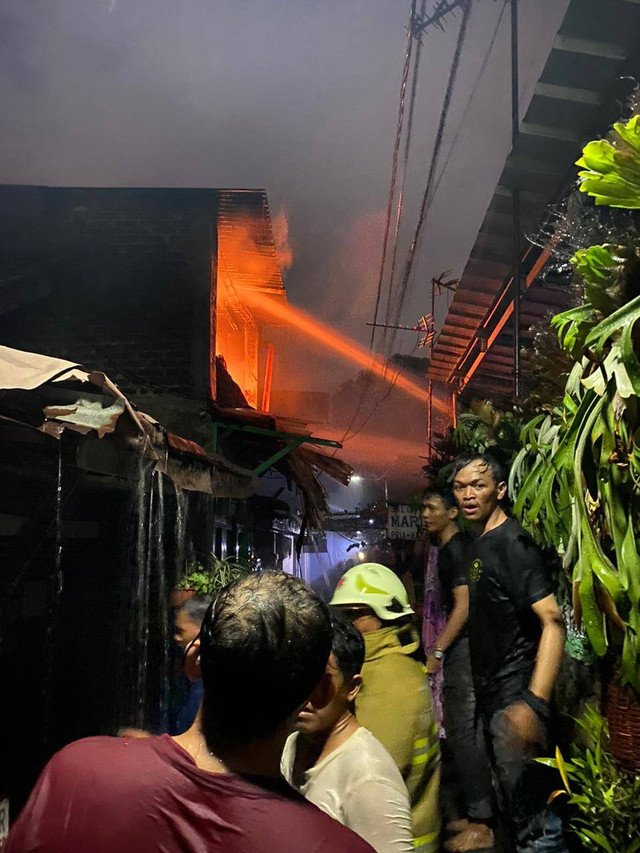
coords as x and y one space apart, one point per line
515 197
440 10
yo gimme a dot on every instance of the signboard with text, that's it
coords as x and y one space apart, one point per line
404 522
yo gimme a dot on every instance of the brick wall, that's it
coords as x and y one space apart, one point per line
116 279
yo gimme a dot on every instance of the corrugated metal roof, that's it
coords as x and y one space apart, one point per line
597 41
250 259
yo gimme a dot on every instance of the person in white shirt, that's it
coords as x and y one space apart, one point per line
338 765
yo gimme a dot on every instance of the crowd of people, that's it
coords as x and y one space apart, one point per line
311 727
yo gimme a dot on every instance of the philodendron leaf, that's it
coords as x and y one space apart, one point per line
598 380
600 268
573 326
614 323
615 366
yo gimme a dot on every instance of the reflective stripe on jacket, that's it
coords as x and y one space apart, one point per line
395 704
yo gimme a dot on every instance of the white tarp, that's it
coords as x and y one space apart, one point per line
30 370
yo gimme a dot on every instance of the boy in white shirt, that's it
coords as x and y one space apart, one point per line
338 765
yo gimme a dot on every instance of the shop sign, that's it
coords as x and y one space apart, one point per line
404 522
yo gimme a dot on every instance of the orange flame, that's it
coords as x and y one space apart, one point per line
248 274
335 341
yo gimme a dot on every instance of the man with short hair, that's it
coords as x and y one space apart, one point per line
516 637
394 703
340 766
468 786
263 647
188 621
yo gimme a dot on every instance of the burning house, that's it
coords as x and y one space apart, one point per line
135 434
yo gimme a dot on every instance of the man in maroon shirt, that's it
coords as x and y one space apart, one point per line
263 647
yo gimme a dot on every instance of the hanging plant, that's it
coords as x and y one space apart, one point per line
576 480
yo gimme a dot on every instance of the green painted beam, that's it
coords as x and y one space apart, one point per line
274 433
278 455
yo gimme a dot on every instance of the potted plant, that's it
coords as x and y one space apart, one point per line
604 801
576 481
207 577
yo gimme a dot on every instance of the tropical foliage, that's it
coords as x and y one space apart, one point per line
605 800
211 575
610 168
481 428
577 477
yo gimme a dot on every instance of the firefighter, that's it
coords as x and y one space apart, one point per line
394 702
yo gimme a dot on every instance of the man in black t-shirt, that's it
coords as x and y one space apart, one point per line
467 792
516 638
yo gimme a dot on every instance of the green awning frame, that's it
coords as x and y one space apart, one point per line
293 439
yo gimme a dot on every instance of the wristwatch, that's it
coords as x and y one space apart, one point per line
438 654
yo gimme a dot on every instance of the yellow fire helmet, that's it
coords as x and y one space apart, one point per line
375 586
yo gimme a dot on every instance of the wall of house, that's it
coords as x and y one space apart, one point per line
116 279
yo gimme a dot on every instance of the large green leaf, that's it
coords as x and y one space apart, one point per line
629 357
599 839
630 133
573 326
612 174
605 330
600 268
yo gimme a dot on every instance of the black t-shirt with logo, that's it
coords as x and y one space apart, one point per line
452 568
507 576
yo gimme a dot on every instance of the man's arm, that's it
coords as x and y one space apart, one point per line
524 716
550 648
455 623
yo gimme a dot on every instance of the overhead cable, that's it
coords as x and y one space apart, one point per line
392 189
394 164
405 166
424 207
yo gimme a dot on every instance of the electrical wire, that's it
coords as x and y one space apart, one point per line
424 207
405 166
392 186
467 6
470 99
429 194
394 165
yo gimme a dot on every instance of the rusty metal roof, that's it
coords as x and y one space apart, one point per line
573 101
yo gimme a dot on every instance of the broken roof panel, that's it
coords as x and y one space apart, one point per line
64 396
